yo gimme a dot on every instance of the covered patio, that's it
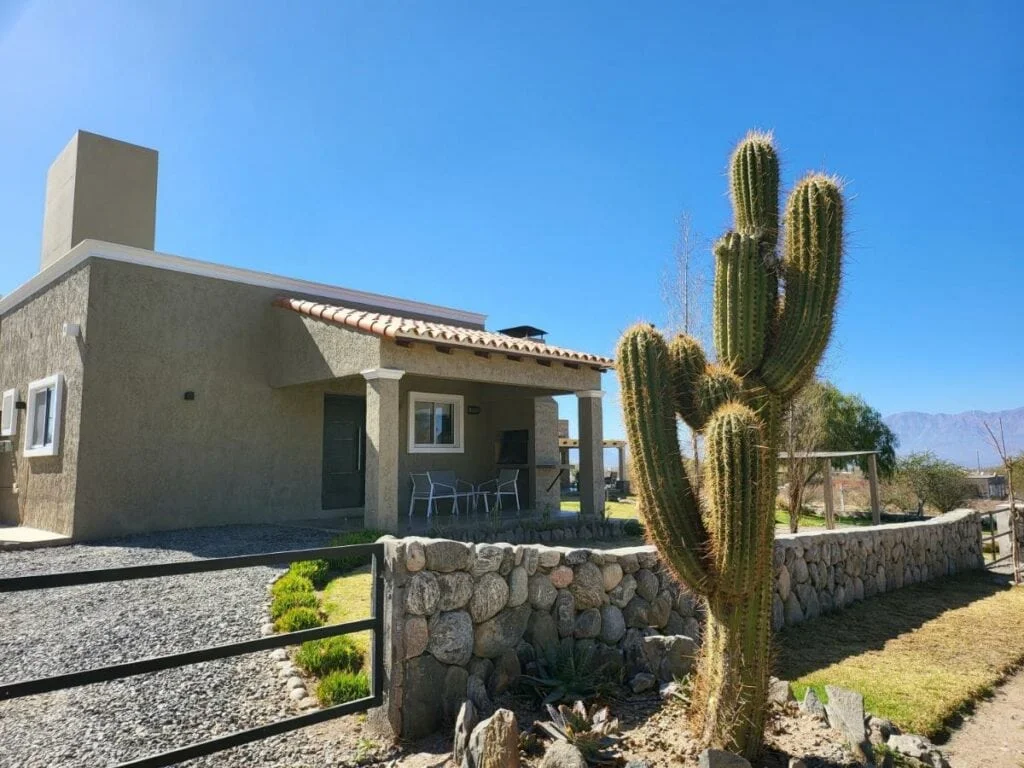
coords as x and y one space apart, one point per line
404 397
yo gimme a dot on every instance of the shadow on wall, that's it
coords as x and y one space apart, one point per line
868 625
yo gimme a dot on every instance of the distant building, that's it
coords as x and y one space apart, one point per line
988 485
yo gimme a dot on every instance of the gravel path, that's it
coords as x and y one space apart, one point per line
71 628
994 733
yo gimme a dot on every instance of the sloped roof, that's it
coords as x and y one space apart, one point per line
404 328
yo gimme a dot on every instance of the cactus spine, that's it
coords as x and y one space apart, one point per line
768 346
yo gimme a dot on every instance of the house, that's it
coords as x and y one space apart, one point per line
987 485
144 391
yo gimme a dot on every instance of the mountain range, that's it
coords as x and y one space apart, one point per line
958 437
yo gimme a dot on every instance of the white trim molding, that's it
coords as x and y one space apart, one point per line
590 393
52 419
112 252
371 374
8 414
458 416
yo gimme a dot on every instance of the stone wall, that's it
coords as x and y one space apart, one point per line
817 572
464 620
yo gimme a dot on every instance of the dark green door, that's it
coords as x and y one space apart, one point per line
344 451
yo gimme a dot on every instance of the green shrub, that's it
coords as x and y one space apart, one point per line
339 687
633 528
291 582
345 564
285 601
314 570
332 654
295 619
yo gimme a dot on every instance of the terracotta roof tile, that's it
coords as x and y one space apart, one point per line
394 327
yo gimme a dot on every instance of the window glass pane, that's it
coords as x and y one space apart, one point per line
38 425
50 413
444 424
422 432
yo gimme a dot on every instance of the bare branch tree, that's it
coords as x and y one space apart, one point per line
999 444
804 431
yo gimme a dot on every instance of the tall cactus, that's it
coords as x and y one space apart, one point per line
768 343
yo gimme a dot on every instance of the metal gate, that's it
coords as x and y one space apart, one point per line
156 663
999 524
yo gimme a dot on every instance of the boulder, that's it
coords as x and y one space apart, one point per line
506 673
454 696
530 558
794 613
446 556
669 656
646 584
642 682
782 583
415 557
633 652
476 692
613 624
495 636
779 691
917 747
812 704
489 596
629 562
424 685
542 631
588 586
456 589
488 559
880 729
518 589
658 613
562 754
416 636
624 592
549 558
451 637
718 758
845 712
611 575
588 623
577 556
565 613
464 725
422 594
482 668
636 612
494 742
542 592
561 577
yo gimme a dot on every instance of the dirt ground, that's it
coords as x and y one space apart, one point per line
993 735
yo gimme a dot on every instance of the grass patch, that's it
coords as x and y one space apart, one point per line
919 655
295 619
285 601
814 521
339 687
351 562
615 510
291 582
332 654
347 598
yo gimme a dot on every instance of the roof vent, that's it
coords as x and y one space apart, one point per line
524 332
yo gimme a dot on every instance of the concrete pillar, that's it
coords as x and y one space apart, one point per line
622 464
382 425
876 507
547 493
830 512
591 452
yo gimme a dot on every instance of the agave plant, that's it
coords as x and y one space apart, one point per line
594 733
569 673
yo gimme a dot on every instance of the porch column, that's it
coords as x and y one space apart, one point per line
591 473
622 464
830 514
382 425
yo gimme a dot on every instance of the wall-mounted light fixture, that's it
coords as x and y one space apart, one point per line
473 410
190 395
71 330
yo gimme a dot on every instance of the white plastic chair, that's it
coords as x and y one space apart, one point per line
505 484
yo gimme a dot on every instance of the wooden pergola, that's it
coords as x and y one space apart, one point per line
827 456
565 444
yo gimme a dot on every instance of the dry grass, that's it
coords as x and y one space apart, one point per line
347 598
920 655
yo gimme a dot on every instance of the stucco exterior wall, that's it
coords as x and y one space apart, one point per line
241 451
40 491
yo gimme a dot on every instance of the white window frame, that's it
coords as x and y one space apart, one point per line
56 381
8 414
458 413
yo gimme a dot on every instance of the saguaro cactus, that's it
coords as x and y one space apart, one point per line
772 319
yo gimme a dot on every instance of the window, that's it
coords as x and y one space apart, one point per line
42 425
8 416
435 423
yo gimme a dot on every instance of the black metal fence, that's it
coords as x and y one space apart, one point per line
156 663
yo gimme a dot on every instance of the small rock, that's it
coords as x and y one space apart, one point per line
548 558
717 758
879 729
588 586
494 742
488 559
489 597
415 557
918 748
297 694
796 762
646 584
845 711
446 556
779 692
308 703
561 577
506 672
295 682
279 654
641 682
668 690
422 594
611 574
266 630
451 637
588 623
454 693
476 692
812 704
518 590
464 725
417 635
562 754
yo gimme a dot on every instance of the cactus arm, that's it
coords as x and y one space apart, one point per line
718 386
667 502
688 366
754 187
746 290
811 266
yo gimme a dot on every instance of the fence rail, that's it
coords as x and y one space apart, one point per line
374 623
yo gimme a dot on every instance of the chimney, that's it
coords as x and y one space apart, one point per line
99 188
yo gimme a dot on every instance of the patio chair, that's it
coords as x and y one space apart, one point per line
505 484
431 486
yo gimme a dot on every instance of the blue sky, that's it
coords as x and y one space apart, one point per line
530 160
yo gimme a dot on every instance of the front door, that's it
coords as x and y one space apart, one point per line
344 451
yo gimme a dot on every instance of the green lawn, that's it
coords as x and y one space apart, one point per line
347 598
814 521
618 510
919 655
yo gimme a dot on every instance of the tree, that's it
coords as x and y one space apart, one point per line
999 443
822 418
772 319
938 483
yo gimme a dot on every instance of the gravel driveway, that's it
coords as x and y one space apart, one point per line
71 628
